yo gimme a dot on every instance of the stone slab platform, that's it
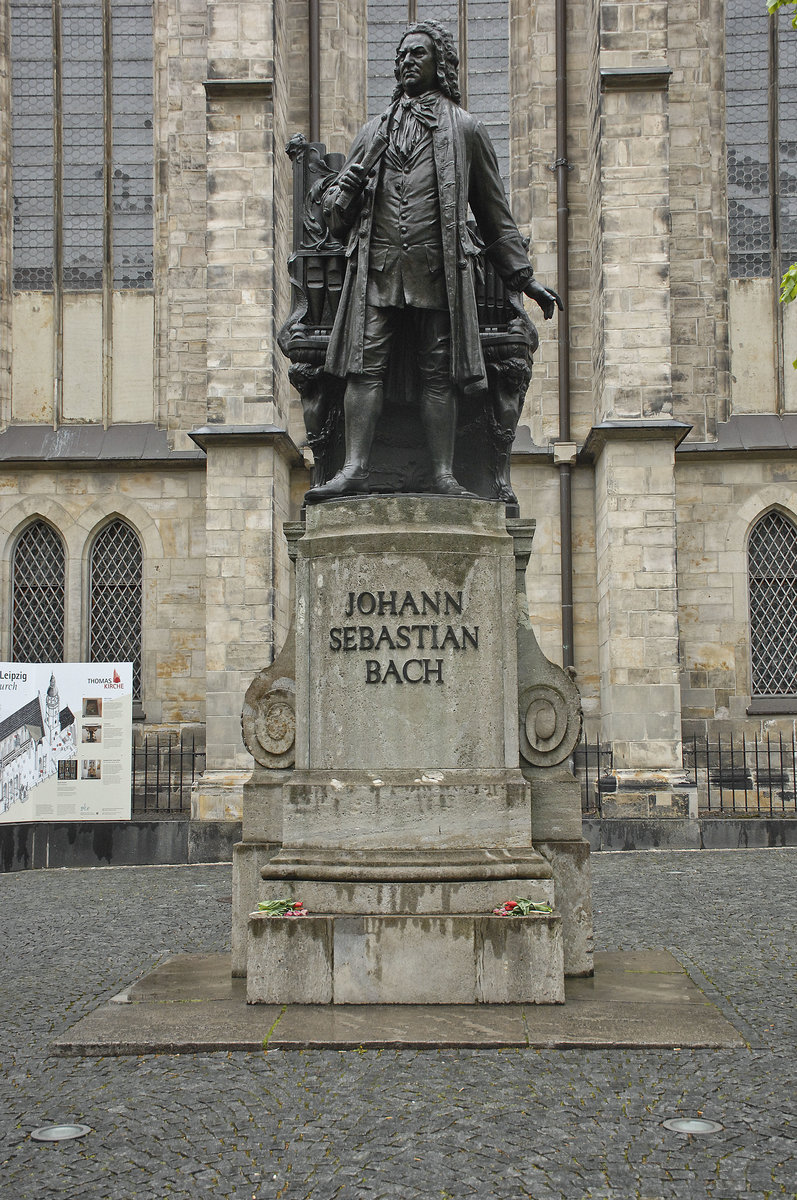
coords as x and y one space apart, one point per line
191 1004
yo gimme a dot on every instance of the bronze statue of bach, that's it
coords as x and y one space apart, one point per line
400 205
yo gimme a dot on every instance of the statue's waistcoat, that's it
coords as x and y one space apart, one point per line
406 258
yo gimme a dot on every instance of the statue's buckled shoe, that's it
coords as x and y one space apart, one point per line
345 483
446 485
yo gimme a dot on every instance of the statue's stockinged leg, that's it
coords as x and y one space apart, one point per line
362 406
439 416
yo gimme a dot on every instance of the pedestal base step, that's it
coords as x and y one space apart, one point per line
379 959
433 898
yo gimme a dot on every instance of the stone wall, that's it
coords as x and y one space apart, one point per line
120 391
343 72
698 270
247 575
166 509
180 218
241 230
637 602
635 219
718 501
533 199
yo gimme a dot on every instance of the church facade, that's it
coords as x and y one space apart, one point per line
151 445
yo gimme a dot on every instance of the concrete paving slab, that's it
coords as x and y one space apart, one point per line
186 977
168 1027
646 962
191 1003
632 1025
406 1026
612 983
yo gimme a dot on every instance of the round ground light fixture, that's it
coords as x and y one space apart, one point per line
691 1125
60 1133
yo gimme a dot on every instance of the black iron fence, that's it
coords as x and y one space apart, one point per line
742 774
737 774
164 771
592 760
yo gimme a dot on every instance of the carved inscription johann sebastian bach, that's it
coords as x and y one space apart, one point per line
408 629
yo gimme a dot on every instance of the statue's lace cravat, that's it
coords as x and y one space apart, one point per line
414 115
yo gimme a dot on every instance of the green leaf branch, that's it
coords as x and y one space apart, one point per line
775 5
788 284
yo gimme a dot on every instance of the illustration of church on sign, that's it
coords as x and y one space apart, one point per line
32 740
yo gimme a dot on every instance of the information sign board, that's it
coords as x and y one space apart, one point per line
65 740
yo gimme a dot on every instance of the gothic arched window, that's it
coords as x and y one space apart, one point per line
115 599
772 575
38 593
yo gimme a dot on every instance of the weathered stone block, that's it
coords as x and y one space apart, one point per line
464 959
247 860
404 960
519 957
440 809
555 805
573 884
289 960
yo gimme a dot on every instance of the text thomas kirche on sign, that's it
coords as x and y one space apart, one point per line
404 633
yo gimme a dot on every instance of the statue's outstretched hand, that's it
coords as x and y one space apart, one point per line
546 297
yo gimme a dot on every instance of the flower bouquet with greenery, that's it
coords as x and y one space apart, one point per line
521 907
282 908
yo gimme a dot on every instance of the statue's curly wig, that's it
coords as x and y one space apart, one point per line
445 53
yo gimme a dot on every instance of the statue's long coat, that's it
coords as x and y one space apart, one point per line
467 173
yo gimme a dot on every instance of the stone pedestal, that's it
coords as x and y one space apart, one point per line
406 628
407 819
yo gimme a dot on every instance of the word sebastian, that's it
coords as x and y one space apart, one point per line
427 636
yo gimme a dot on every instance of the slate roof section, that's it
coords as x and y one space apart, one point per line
29 715
753 431
760 432
143 443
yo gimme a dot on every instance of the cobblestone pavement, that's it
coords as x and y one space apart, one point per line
414 1125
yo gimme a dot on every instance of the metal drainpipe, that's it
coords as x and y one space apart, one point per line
314 38
561 167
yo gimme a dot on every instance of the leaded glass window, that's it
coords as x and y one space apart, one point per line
83 138
772 573
38 593
82 133
33 144
115 603
132 159
761 128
